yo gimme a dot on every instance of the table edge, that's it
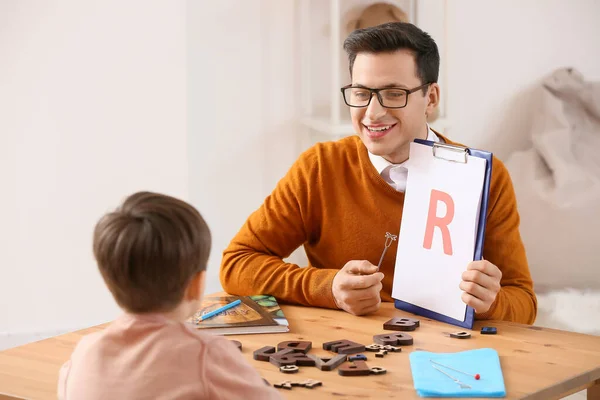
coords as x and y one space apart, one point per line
578 382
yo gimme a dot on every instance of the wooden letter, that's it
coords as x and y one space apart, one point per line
357 357
356 368
237 343
374 347
264 353
284 385
378 371
381 353
299 346
328 364
344 346
394 339
401 324
393 349
289 369
309 383
290 357
460 335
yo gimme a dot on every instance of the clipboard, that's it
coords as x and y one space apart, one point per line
461 154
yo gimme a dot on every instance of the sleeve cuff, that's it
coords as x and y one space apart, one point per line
491 313
320 293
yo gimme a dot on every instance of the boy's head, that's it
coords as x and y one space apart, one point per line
152 252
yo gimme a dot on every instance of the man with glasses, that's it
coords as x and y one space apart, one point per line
341 200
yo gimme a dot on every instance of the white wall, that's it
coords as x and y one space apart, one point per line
498 50
94 102
92 108
241 107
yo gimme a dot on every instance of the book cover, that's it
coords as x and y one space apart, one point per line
255 314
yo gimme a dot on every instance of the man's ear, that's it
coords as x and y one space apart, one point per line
433 99
195 287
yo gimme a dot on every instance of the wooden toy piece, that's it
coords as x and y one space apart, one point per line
378 370
460 335
328 364
284 385
344 346
289 369
488 330
374 347
264 353
310 383
394 339
401 324
381 353
238 344
361 357
356 368
393 349
290 357
296 345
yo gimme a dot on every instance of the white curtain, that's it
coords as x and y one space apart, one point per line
557 183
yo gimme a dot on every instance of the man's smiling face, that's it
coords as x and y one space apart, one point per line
387 132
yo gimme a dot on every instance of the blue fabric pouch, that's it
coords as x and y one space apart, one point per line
430 382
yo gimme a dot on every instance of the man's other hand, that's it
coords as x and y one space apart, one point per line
481 284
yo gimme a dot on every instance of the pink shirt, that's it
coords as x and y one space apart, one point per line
152 357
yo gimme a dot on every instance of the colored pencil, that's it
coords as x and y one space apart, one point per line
220 310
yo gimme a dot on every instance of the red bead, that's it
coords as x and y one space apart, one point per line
477 376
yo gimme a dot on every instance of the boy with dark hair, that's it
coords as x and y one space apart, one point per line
152 253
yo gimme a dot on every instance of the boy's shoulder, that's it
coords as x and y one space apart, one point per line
87 342
124 329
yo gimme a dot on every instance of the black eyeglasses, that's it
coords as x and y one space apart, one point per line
356 96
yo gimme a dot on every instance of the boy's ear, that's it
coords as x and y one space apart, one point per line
195 287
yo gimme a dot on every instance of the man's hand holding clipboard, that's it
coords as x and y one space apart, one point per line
481 284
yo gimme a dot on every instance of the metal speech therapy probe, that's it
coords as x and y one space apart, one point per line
389 238
458 382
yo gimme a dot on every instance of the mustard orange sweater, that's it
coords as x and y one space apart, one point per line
333 201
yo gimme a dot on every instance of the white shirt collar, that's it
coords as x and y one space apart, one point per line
381 163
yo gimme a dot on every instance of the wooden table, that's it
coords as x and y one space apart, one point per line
537 363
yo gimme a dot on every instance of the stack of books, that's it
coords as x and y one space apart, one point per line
255 314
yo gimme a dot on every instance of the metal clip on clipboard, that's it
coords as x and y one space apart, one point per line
456 149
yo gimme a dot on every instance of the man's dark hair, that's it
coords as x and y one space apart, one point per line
149 249
394 36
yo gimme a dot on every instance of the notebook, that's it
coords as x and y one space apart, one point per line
255 314
430 382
